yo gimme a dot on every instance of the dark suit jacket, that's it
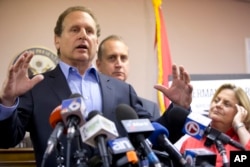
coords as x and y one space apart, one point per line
151 107
36 106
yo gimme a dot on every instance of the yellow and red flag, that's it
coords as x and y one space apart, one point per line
163 53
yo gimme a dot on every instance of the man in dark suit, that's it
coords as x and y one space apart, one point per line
113 60
26 103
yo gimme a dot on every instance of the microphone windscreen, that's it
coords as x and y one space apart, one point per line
125 112
92 114
159 130
55 116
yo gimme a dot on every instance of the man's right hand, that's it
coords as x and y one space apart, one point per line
180 91
18 81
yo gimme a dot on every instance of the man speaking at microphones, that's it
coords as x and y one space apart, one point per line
26 102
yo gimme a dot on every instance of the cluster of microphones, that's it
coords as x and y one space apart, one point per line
145 145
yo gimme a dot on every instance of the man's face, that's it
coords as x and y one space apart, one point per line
78 42
114 61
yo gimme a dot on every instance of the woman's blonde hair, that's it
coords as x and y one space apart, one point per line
240 95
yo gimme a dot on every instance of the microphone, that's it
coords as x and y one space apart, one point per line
159 139
55 121
137 130
174 119
197 126
200 157
72 113
97 125
96 131
130 121
118 147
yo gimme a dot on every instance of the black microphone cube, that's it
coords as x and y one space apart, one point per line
199 156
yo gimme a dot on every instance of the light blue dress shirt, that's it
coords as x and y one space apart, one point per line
87 85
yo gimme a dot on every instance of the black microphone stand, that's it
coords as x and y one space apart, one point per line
59 155
80 153
220 147
70 132
101 145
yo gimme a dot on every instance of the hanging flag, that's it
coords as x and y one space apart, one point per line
163 53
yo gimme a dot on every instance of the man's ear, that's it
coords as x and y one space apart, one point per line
57 41
97 45
97 63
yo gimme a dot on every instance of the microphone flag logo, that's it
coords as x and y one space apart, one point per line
196 125
192 128
137 125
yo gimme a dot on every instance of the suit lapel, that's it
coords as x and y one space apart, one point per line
107 96
59 84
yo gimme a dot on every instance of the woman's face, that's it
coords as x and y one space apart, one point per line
223 109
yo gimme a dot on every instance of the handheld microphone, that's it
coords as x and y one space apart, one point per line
56 122
197 126
96 131
72 113
159 139
200 157
137 130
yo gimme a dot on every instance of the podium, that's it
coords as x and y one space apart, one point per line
20 156
17 157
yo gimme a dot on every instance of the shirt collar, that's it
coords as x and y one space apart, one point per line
90 71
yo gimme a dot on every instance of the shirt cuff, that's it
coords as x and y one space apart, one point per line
6 112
